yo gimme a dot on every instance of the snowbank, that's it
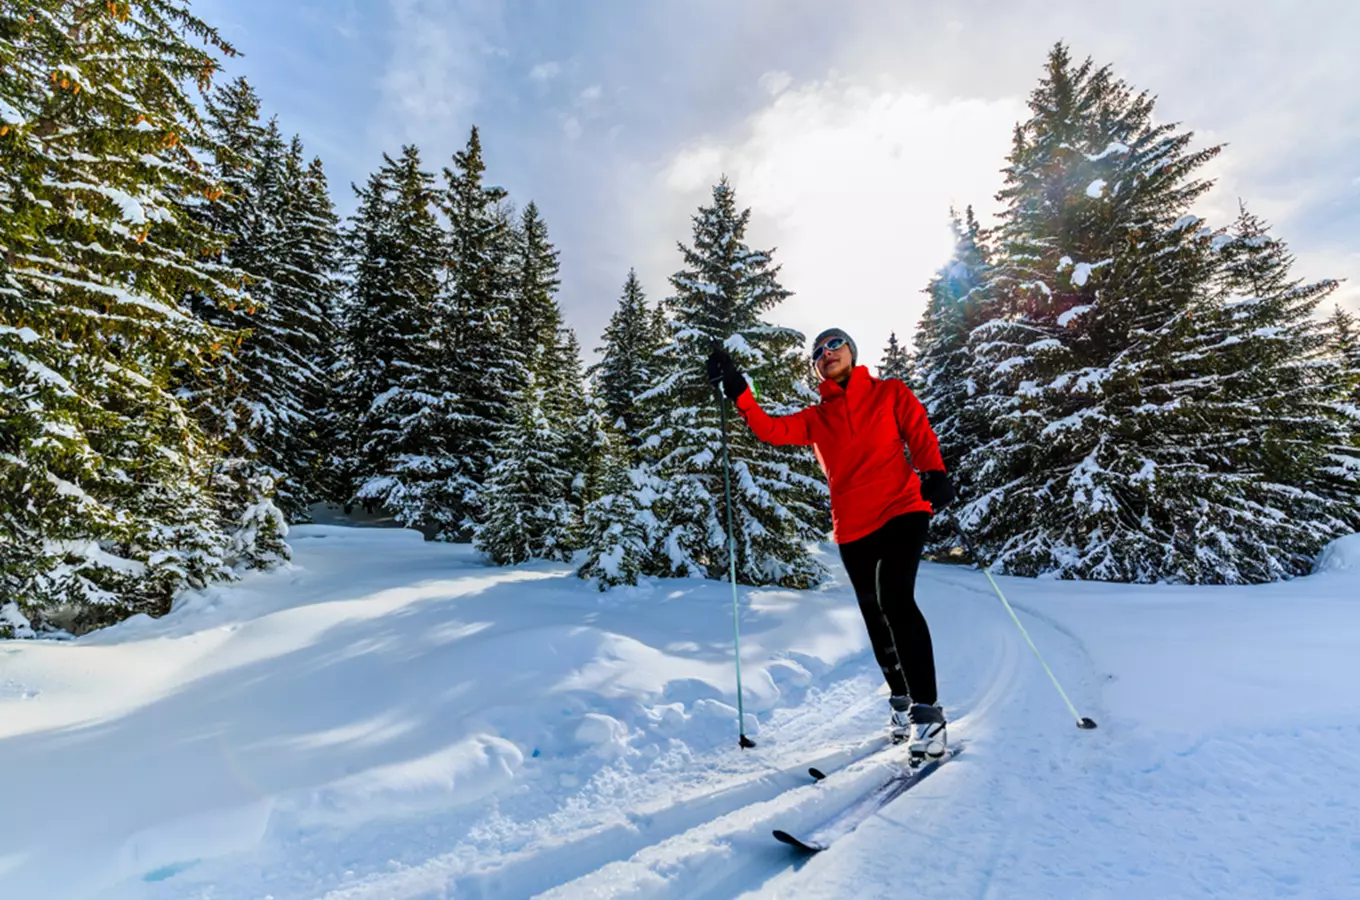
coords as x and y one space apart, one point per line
1341 555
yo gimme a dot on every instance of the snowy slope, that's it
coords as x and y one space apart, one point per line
391 718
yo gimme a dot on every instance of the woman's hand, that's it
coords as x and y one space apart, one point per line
722 369
937 489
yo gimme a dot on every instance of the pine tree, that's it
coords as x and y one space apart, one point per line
957 304
940 365
226 395
620 533
308 294
627 361
721 296
896 361
1096 366
569 410
1345 344
105 508
484 368
1272 413
526 512
537 317
396 387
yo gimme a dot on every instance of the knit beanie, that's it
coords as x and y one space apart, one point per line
836 332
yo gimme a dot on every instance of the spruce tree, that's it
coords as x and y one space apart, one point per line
396 389
896 361
940 365
627 363
526 513
1345 344
307 293
620 532
105 507
721 296
1272 413
1102 349
535 311
483 367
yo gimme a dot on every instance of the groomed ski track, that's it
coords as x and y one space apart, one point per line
709 834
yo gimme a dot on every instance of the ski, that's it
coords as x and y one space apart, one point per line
846 821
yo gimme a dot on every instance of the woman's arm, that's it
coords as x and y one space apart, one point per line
916 431
794 429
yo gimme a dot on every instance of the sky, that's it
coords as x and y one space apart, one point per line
849 127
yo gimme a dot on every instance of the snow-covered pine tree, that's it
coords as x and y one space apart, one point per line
104 502
1272 416
721 296
526 513
226 395
569 410
621 537
896 361
535 312
1345 343
396 387
1093 369
627 365
306 299
940 364
483 367
941 360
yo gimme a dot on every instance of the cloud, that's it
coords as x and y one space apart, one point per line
775 83
431 80
590 95
853 185
545 72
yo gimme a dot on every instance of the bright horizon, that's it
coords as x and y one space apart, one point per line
850 129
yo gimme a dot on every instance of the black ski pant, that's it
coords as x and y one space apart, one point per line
882 567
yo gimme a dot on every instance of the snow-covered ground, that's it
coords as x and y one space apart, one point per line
393 719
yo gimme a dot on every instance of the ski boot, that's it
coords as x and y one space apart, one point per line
927 740
899 725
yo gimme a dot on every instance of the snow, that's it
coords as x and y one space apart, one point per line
1081 273
1066 318
1340 556
10 114
1096 189
1114 147
391 718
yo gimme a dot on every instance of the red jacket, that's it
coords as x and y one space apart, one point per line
858 433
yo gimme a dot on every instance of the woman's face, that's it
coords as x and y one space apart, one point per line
834 364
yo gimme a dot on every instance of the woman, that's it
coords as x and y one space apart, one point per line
880 510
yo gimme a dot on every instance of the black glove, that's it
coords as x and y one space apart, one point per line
937 489
722 370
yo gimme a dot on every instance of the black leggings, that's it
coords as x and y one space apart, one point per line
882 567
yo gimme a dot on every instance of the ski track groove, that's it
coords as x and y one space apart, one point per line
745 862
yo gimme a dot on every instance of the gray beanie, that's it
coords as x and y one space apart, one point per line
836 332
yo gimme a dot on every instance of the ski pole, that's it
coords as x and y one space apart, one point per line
743 740
1083 722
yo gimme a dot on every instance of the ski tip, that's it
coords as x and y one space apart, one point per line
785 837
1085 723
816 773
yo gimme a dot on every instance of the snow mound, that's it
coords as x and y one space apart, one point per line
459 774
605 735
1341 555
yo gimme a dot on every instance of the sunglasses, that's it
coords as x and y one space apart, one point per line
833 344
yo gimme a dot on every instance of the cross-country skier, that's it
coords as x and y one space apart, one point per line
880 510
